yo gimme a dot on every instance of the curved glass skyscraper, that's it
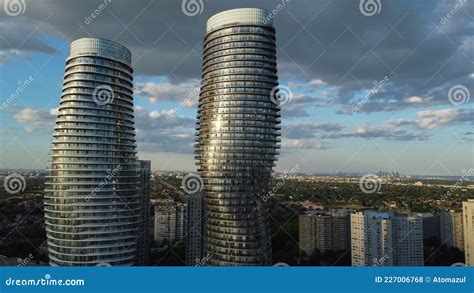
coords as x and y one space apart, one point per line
237 135
92 197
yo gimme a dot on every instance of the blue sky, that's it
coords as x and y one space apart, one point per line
329 55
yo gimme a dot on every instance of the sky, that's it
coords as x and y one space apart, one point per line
370 85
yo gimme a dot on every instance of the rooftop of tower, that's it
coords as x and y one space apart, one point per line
100 47
255 16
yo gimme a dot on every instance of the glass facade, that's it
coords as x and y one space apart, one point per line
93 195
237 135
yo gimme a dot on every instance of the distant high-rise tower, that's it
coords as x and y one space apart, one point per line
324 231
451 227
194 230
238 134
384 239
143 243
431 225
407 240
181 219
371 239
92 197
468 218
165 223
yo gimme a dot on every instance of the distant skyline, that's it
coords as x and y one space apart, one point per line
416 118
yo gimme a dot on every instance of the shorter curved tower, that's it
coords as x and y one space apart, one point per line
92 196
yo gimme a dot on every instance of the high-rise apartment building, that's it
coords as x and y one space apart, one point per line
382 239
194 229
165 223
92 196
324 231
238 134
181 219
371 238
468 219
431 225
407 240
451 228
144 237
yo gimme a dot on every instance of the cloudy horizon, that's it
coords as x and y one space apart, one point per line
367 90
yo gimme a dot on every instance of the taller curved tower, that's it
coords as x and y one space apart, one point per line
92 197
237 135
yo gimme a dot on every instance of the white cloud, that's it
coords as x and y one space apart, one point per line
431 119
186 92
54 111
289 144
164 131
36 119
35 115
414 99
